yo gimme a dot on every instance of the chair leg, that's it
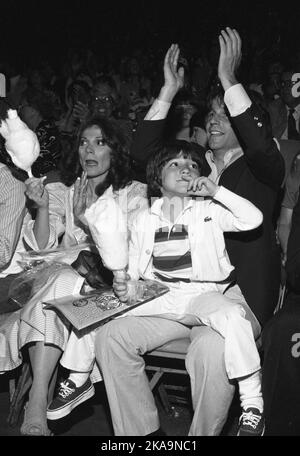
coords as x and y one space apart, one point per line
164 398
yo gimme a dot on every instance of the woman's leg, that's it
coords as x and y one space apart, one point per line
43 360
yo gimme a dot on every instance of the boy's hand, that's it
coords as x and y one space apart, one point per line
36 191
201 186
120 288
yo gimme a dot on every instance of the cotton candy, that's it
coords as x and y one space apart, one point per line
20 142
109 231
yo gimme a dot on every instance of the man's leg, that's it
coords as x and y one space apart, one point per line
212 392
119 345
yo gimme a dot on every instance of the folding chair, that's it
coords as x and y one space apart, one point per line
167 359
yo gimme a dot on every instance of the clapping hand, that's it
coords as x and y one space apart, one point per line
201 186
230 57
173 76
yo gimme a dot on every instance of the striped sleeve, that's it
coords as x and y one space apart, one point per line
12 211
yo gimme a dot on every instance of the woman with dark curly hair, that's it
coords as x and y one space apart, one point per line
99 166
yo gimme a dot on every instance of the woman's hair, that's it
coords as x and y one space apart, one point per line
171 150
119 174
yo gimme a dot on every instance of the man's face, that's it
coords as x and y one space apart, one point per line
286 89
220 134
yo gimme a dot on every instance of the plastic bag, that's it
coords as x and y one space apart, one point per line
64 255
28 282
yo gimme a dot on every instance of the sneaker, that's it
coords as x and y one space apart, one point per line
69 397
251 423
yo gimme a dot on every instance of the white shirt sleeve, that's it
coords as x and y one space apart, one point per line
158 110
237 100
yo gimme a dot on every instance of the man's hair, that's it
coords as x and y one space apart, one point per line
120 173
173 149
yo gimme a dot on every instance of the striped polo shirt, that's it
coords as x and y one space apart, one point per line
172 253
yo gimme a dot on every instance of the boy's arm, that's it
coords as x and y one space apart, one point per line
239 214
252 124
148 137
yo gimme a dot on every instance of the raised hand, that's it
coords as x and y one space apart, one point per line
36 191
201 186
80 111
80 198
173 76
230 57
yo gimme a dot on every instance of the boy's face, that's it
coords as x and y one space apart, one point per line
173 174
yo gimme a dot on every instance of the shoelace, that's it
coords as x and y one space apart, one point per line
64 390
250 419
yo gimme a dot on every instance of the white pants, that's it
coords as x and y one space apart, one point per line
191 304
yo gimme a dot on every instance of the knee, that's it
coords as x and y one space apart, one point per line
206 349
115 333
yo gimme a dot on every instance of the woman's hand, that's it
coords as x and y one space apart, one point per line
201 186
80 199
36 191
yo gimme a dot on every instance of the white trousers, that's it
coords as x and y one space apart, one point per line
191 304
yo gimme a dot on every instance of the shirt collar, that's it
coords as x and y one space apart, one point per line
230 156
157 206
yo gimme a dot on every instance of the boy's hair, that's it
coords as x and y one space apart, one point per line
176 148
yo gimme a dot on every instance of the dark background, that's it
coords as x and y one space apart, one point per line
33 30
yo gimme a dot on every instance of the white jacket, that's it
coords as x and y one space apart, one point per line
209 220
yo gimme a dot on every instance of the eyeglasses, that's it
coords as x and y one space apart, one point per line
103 99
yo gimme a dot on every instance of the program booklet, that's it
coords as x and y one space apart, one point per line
100 306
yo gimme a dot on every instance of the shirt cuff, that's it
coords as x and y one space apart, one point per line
158 110
237 100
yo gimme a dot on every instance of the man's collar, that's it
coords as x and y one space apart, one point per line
230 156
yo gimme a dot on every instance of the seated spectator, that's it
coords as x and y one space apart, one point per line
285 111
40 113
290 198
281 336
12 213
184 106
101 158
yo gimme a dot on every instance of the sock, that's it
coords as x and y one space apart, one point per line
79 378
250 391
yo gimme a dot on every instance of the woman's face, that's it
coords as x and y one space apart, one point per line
94 153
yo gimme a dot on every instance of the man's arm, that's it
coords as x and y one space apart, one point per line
148 137
12 211
251 123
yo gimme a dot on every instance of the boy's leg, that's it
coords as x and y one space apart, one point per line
229 318
212 392
119 346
